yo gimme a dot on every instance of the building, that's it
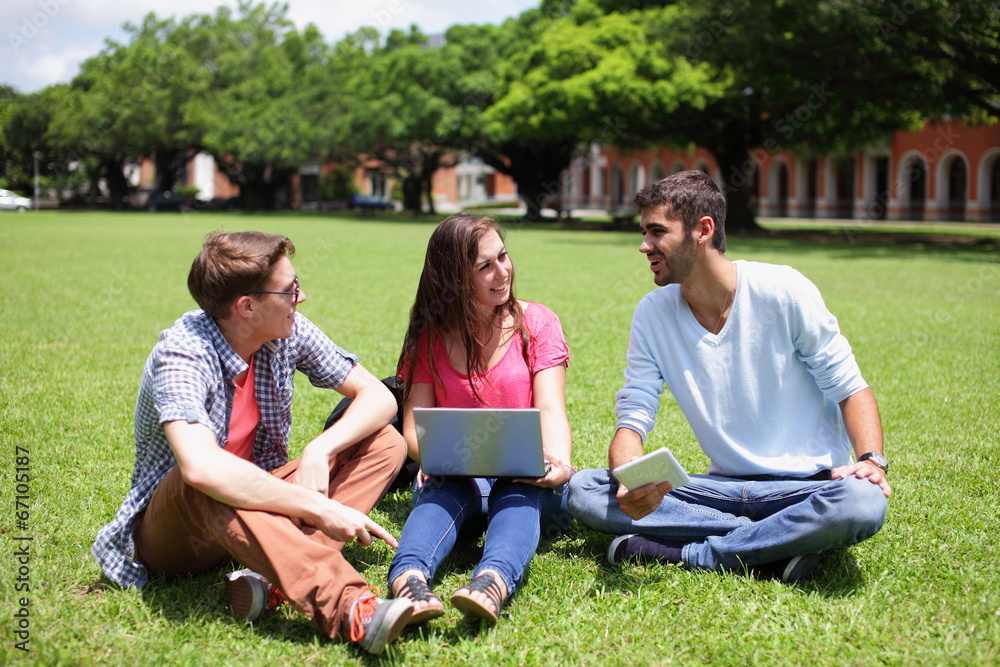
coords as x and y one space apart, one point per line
946 171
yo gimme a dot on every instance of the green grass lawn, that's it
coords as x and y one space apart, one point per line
85 295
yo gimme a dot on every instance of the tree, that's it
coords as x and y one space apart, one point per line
798 76
413 106
260 96
24 122
580 77
957 43
130 101
738 77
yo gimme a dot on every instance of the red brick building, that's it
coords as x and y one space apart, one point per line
947 171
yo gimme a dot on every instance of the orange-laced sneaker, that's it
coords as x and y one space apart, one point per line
376 622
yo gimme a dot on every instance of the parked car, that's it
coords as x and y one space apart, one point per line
12 201
214 204
166 201
370 203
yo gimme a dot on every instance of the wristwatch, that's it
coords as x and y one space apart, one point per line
875 458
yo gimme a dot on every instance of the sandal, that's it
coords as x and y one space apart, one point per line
416 590
484 583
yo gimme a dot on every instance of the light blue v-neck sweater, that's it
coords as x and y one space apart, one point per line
761 396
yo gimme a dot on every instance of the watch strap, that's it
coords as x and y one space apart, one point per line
876 458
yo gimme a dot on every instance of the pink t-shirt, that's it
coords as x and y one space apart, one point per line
507 384
244 418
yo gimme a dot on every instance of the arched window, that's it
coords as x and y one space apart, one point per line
782 198
656 172
636 181
617 186
845 188
812 178
915 180
995 191
957 189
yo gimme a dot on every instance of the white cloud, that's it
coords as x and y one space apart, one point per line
44 41
56 67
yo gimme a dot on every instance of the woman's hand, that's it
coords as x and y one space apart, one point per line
557 473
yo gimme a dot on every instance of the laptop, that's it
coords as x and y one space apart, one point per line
480 442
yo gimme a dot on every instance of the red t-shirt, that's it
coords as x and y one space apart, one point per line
244 419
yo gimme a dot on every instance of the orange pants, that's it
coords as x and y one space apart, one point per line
184 531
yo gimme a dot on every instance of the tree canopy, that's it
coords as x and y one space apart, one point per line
412 106
735 77
263 97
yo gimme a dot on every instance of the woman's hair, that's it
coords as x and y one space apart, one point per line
232 264
445 301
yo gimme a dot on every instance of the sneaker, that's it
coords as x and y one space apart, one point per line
375 622
250 595
637 548
797 568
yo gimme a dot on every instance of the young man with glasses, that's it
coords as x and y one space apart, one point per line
212 481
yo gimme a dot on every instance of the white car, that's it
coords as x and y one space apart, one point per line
13 201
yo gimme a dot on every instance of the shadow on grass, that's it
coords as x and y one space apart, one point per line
201 599
837 574
856 246
396 505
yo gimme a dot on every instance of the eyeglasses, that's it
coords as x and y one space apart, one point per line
294 293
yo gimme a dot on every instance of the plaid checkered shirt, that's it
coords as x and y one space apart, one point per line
189 376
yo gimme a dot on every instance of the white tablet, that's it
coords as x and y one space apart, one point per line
653 468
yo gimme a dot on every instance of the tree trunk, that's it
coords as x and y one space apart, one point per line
114 173
532 195
737 170
412 194
430 164
535 168
257 195
169 168
429 190
256 188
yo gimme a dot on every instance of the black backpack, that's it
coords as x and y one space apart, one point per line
410 468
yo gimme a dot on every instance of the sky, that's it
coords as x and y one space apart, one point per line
44 41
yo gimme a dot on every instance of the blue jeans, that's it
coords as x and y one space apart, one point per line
727 523
518 514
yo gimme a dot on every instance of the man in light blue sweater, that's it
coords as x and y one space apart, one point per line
771 390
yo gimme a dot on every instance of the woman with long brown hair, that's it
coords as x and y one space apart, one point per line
471 344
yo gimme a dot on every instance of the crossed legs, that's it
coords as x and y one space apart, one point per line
184 531
730 523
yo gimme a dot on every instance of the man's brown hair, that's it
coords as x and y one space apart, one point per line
233 264
687 196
